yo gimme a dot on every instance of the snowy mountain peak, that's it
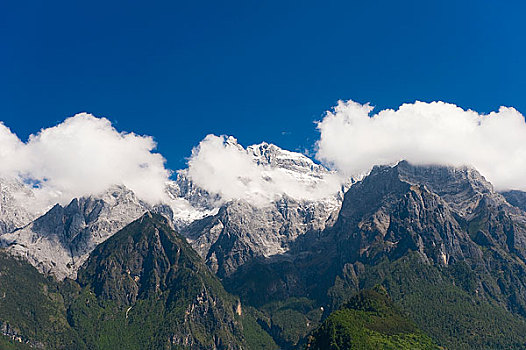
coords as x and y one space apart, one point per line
232 141
276 157
59 241
15 210
221 174
260 174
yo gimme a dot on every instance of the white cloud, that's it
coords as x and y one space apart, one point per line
352 140
220 165
81 156
10 145
86 155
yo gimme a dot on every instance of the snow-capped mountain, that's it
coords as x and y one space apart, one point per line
243 230
15 211
275 157
60 241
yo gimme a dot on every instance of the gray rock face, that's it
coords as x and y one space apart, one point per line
60 241
394 210
241 232
184 188
516 198
273 156
436 210
460 187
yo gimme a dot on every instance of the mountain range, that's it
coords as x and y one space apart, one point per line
440 253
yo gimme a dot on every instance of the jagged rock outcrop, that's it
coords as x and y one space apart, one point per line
183 187
60 241
451 218
444 213
516 198
241 232
276 157
430 234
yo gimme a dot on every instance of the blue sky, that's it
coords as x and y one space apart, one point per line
258 70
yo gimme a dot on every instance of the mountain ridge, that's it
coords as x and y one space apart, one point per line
62 252
424 232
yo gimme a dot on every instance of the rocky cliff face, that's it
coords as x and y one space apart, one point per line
241 232
60 241
516 198
451 218
275 157
446 214
427 233
394 210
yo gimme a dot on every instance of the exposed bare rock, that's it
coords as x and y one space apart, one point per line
241 232
516 198
60 241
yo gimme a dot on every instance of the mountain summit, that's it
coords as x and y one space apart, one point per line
148 275
60 241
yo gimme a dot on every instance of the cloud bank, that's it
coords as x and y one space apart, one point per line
85 155
352 140
81 156
220 165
